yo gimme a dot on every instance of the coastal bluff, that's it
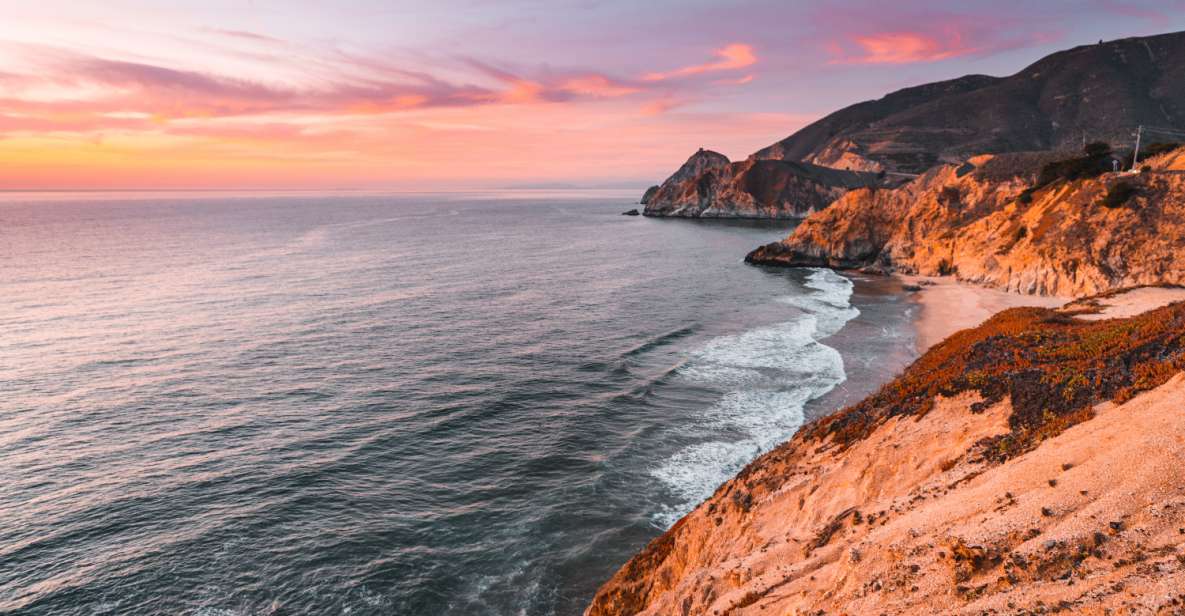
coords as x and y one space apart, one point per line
708 185
1032 464
991 221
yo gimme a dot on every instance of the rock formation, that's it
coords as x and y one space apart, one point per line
1034 464
977 222
709 186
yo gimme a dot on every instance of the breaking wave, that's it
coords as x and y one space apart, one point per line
767 376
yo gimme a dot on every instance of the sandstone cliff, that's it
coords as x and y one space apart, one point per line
709 186
1034 464
974 221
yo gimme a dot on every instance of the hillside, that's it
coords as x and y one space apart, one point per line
974 222
1098 92
1033 464
1102 91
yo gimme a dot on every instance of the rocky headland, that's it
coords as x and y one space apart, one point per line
994 220
708 185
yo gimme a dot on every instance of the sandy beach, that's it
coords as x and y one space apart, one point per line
948 306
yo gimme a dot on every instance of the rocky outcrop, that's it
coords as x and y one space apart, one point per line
648 195
975 221
709 186
1033 464
1100 91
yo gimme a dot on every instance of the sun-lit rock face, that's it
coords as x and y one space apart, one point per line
1033 463
971 221
709 186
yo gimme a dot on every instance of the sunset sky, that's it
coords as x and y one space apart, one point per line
468 94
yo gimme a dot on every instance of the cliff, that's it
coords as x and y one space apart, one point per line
984 223
708 185
1033 464
1100 91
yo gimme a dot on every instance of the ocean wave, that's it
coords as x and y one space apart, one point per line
768 375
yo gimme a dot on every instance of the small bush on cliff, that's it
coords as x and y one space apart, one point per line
1097 149
1095 162
1150 151
1119 194
950 196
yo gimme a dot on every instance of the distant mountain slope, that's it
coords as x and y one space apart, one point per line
1095 92
1103 91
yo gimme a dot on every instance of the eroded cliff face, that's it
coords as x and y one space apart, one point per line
709 186
1035 463
971 221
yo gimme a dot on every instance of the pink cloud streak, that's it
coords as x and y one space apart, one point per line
732 57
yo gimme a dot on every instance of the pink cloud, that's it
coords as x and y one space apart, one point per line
921 33
906 48
732 57
739 81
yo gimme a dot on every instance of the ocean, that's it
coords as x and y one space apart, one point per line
363 403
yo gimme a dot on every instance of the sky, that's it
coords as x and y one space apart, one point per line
467 94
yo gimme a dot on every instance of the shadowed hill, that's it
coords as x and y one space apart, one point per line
1103 91
1097 92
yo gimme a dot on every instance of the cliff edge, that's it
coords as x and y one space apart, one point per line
1033 464
991 221
708 185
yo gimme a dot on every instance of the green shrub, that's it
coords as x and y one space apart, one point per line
1149 151
1156 149
1097 149
1120 193
950 195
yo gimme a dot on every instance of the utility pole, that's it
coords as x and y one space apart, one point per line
1136 153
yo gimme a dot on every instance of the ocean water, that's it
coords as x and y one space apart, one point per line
268 403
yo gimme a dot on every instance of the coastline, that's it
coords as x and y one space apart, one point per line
969 500
947 306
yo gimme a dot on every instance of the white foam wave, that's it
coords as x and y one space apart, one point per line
769 374
829 301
